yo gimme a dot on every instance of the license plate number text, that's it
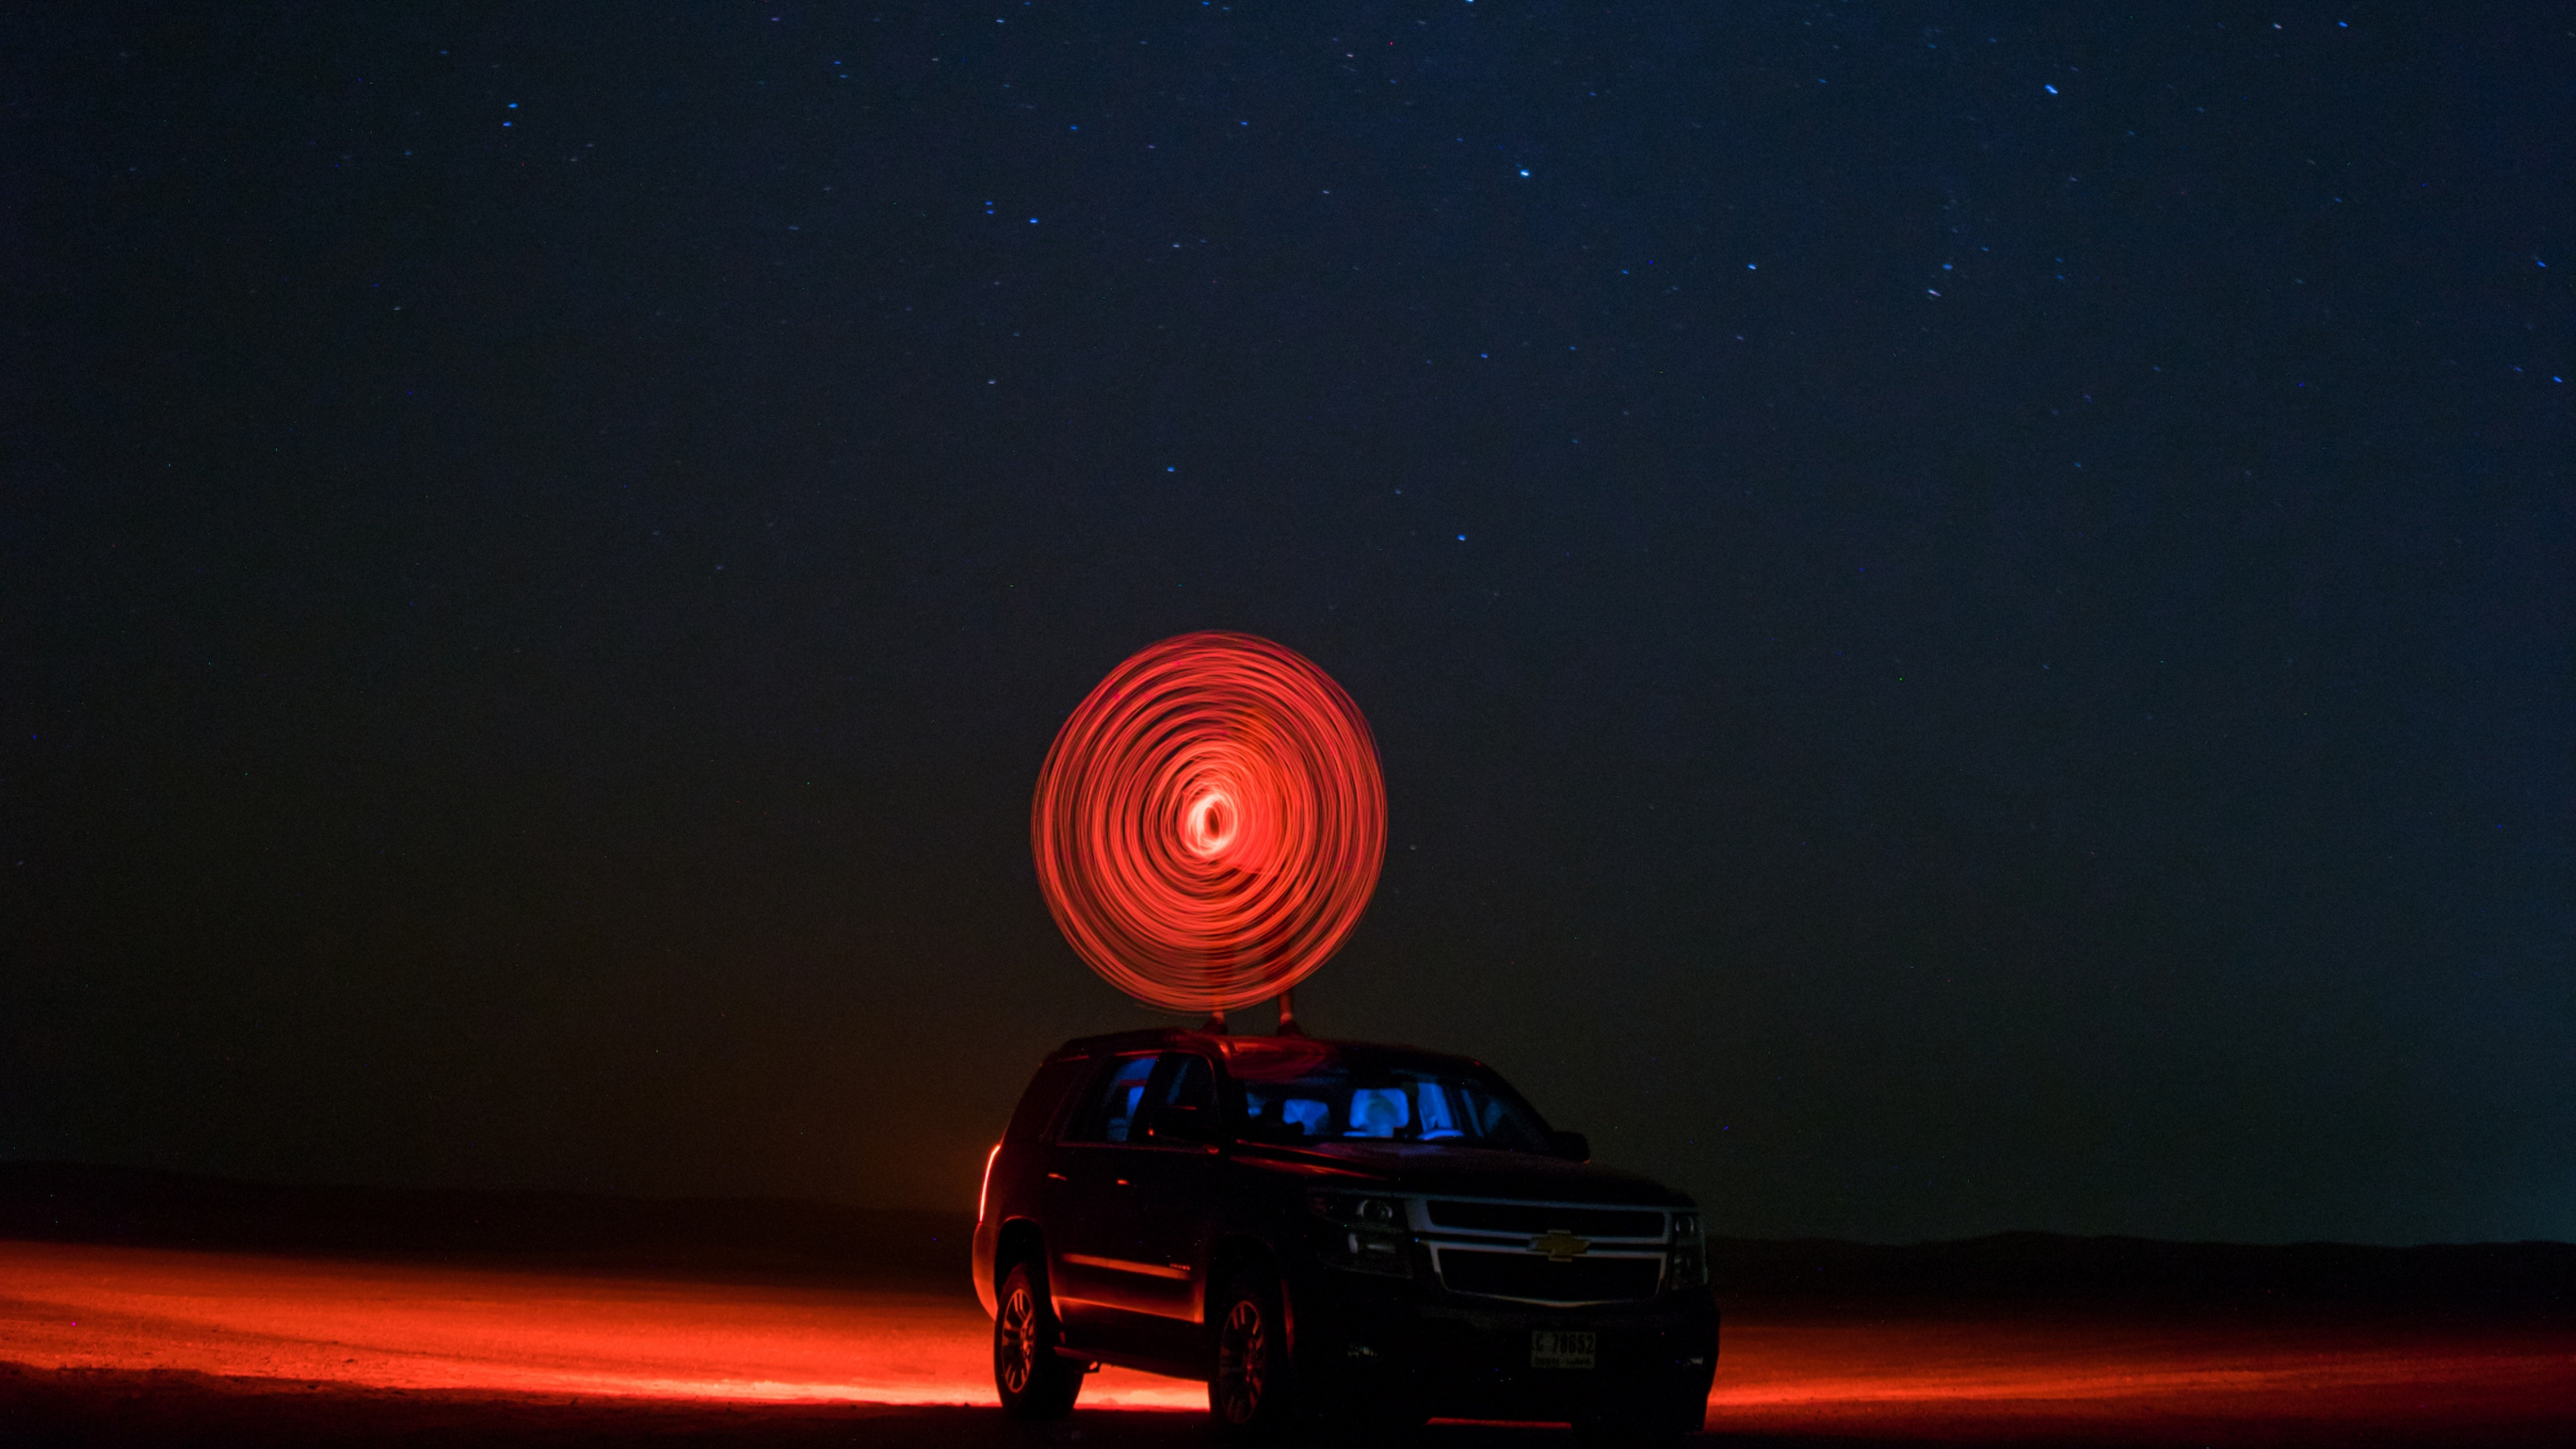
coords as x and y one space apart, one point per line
1556 1348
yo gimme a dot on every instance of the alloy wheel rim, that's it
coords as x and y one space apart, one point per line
1243 1354
1019 1341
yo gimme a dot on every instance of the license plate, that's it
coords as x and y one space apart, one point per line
1552 1348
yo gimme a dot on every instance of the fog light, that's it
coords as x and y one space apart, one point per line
1367 1233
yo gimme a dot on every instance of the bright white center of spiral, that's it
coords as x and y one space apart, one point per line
1209 824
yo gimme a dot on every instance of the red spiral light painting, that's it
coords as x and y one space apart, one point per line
1210 822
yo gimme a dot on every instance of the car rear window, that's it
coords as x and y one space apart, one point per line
1040 1104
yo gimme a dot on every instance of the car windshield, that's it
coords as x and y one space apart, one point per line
1337 1098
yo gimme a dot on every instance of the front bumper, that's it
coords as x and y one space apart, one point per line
1363 1338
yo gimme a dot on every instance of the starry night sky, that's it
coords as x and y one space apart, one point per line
1968 617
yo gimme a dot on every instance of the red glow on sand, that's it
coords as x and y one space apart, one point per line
1210 822
1785 1371
429 1327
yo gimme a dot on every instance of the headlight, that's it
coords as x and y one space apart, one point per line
1383 1213
1363 1233
1688 1265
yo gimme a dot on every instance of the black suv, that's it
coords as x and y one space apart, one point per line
1366 1234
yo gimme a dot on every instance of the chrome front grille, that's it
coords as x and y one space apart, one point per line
1525 1219
1562 1254
1529 1277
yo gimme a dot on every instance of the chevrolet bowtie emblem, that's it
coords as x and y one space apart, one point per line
1560 1245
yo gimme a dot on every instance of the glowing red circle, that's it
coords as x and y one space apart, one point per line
1210 822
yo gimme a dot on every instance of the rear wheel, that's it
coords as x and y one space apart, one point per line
1249 1388
1035 1381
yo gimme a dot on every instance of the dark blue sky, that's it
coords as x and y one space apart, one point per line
1968 618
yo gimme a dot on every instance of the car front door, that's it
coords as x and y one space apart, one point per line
1088 1205
1175 1180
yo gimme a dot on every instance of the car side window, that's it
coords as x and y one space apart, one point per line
1180 1101
1188 1084
1110 1112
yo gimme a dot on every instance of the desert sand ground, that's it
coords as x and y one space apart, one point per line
111 1344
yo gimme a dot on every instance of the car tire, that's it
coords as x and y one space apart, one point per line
1250 1387
1034 1380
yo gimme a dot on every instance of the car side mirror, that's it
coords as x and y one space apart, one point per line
1572 1146
1194 1125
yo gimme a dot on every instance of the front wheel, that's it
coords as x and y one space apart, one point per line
1035 1381
1249 1390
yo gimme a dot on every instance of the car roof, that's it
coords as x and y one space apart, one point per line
1250 1050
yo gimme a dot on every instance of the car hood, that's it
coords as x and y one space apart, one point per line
1461 1172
